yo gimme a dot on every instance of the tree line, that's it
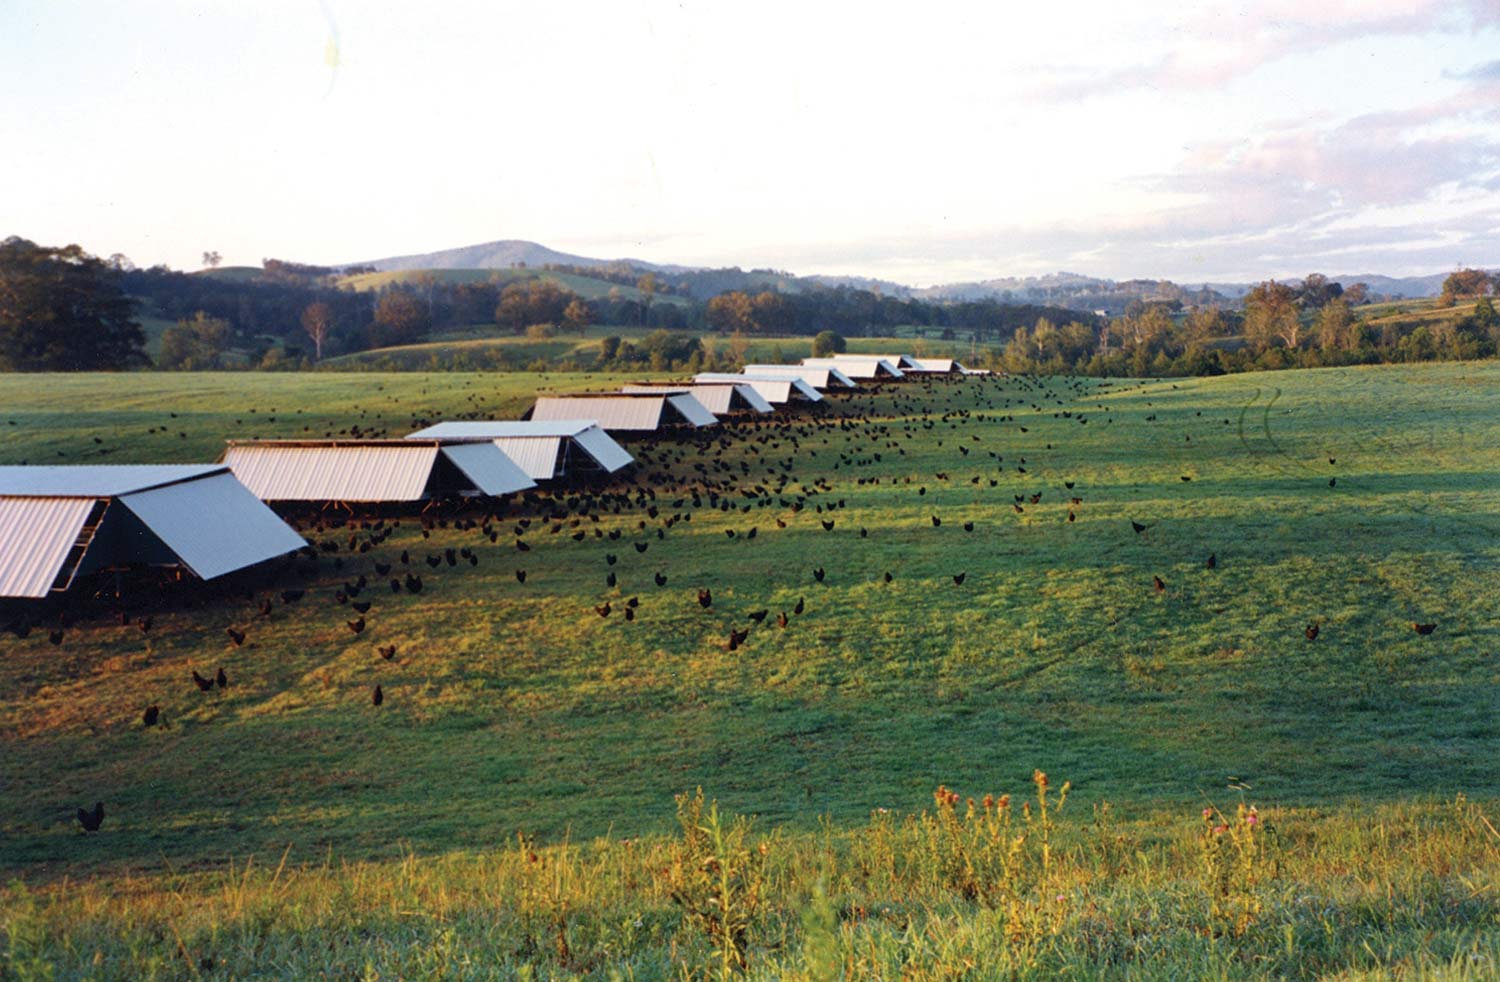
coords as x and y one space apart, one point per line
63 309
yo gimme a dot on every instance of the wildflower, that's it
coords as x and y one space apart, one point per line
1040 777
1004 801
989 802
1208 814
1220 829
1252 818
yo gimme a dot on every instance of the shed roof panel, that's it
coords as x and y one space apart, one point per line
629 413
95 480
392 471
215 525
489 468
36 535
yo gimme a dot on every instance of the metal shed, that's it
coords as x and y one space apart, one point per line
937 366
773 390
544 449
617 411
818 378
57 523
858 368
902 362
370 471
719 398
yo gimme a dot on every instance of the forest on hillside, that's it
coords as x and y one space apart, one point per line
64 309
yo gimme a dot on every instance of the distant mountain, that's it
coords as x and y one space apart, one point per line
502 254
1075 291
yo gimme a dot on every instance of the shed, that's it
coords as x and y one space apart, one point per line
937 366
621 412
57 523
773 390
370 471
871 368
719 398
818 378
902 362
544 449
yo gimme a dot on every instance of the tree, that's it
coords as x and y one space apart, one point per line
1317 291
1335 325
1204 324
647 285
1465 283
1357 294
317 320
730 312
576 316
195 344
1271 313
212 259
828 343
400 318
62 309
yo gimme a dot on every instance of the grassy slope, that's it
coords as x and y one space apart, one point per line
517 706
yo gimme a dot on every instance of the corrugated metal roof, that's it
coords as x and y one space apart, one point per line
489 429
389 471
857 367
693 411
774 390
36 534
536 455
626 413
601 446
897 361
757 402
488 466
936 365
214 525
817 377
95 480
719 398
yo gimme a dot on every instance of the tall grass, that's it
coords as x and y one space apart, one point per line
989 888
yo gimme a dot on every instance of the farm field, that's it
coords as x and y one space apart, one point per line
1362 501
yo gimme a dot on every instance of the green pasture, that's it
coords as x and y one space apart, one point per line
1358 500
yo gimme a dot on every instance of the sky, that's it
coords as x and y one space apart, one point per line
929 143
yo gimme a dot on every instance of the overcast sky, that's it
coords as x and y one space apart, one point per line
922 143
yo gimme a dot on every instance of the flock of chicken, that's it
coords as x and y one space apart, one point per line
745 465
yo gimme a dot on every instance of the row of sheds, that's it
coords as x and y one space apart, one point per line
60 523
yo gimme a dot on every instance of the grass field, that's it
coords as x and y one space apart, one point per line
1359 500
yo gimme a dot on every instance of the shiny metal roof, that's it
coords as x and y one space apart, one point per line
396 470
816 376
899 361
533 444
493 428
857 368
488 466
95 480
536 455
214 525
771 388
602 447
936 365
630 413
36 535
719 398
